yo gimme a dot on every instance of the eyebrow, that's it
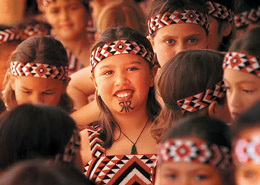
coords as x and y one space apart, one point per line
240 82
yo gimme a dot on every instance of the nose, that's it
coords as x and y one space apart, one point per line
234 99
64 15
36 98
121 78
180 47
185 180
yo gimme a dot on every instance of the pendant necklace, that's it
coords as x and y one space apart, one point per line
133 148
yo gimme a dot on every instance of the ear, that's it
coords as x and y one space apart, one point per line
211 108
40 6
95 84
151 40
66 85
226 28
153 73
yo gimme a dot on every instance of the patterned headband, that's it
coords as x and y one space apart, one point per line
119 47
219 11
189 150
247 150
248 17
38 70
33 30
203 99
242 62
71 149
178 17
8 35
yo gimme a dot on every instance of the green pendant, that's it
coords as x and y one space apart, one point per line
133 150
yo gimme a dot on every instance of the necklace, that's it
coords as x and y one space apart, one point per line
133 148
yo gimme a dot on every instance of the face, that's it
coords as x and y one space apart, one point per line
243 91
172 39
68 18
186 173
123 82
248 173
36 90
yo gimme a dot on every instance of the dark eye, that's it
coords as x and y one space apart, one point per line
248 91
249 174
27 92
171 176
108 72
54 11
48 93
192 41
170 41
201 177
132 69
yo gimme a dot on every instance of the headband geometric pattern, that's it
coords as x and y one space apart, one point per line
188 150
8 35
203 99
119 47
248 17
178 17
33 30
247 150
219 11
242 62
38 70
71 149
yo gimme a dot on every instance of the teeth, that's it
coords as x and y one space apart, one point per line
123 95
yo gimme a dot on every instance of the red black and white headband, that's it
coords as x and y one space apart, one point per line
200 100
71 149
219 11
191 150
242 62
119 47
33 30
9 35
32 69
248 17
247 150
178 17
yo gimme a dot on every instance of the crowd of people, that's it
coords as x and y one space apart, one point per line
131 92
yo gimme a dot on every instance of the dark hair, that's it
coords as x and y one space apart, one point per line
188 73
2 106
41 49
249 119
107 122
162 6
248 43
33 131
42 172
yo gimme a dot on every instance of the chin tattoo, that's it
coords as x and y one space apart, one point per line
126 106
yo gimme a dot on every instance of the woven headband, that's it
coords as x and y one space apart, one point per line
71 149
38 70
8 35
247 150
178 17
248 17
33 30
242 62
119 47
189 150
219 11
200 100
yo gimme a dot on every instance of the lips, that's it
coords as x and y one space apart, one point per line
124 95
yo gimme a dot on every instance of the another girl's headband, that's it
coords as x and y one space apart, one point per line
38 70
247 150
9 35
190 150
242 62
248 17
119 47
219 11
200 100
178 17
71 149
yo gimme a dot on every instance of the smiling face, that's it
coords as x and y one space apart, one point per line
175 38
186 173
243 91
68 18
36 90
123 82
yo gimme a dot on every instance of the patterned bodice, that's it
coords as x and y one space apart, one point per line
116 169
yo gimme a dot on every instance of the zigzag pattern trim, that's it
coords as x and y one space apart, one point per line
248 17
220 11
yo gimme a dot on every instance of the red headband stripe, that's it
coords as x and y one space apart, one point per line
8 35
38 70
178 17
188 150
248 17
242 62
219 11
247 150
119 47
203 99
